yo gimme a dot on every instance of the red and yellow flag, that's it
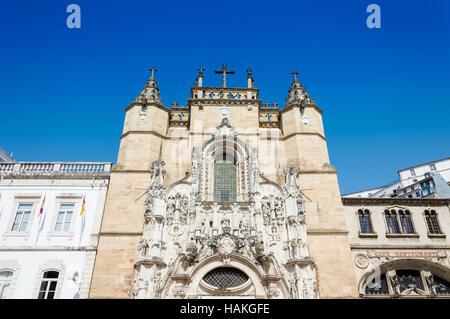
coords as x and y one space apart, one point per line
41 211
83 206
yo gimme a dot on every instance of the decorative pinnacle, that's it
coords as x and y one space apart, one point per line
153 69
295 73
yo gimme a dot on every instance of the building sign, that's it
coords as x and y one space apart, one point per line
429 254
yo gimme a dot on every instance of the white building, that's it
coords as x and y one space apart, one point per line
412 175
49 255
414 182
5 157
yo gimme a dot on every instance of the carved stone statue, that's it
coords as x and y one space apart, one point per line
291 186
266 209
206 229
191 250
278 206
393 279
226 227
158 171
300 205
184 206
170 205
431 284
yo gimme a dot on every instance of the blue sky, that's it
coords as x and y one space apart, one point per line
385 92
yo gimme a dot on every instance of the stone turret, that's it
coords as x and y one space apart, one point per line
150 93
146 120
297 92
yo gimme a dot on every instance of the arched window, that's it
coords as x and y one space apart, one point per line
225 277
406 222
5 282
365 222
432 222
409 279
224 178
378 288
49 282
442 286
392 222
403 281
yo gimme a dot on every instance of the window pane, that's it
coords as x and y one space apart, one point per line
364 221
392 223
25 219
51 274
67 207
51 295
41 295
5 282
4 290
432 223
4 275
405 220
44 285
59 221
67 221
25 207
377 288
17 220
53 286
442 286
409 279
224 181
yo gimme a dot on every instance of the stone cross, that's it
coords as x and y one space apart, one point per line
153 69
200 70
224 72
174 104
295 73
267 104
274 104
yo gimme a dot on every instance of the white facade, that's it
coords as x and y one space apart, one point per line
408 177
411 175
365 193
378 250
61 239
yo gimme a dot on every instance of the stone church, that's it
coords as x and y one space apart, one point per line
230 196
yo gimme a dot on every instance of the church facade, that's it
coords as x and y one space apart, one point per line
226 197
232 197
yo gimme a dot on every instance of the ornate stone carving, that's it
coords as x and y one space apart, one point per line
150 93
177 209
184 220
361 261
158 171
225 245
272 209
143 249
393 280
430 282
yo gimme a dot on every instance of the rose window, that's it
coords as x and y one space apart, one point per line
223 278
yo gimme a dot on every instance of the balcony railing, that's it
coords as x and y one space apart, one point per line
55 168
